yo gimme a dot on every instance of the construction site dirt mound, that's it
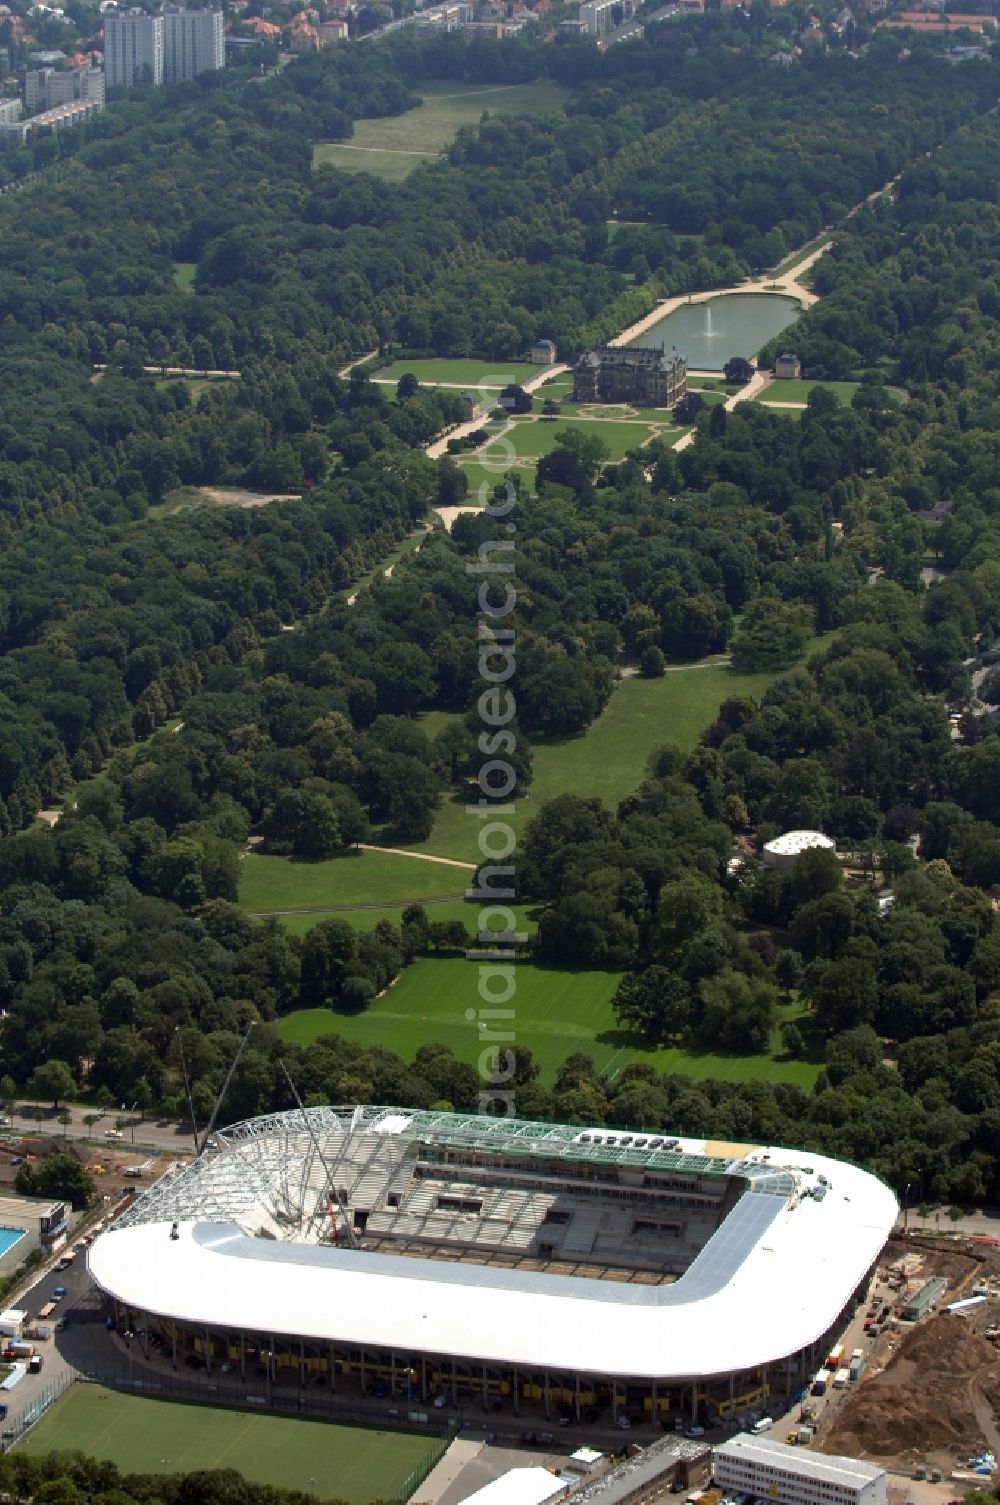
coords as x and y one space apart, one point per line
933 1401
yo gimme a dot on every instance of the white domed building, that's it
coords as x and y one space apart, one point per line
784 851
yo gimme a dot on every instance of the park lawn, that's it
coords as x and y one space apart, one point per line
797 257
390 166
709 395
436 722
798 391
391 146
555 1014
460 372
273 883
145 1436
451 909
477 475
184 274
609 759
533 438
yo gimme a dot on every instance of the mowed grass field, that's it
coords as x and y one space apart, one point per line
555 1014
437 910
521 445
798 391
459 372
146 1436
609 759
392 146
273 883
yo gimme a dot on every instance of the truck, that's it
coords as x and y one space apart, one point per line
835 1357
855 1368
762 1425
46 1311
841 1378
11 1322
18 1350
35 1364
821 1381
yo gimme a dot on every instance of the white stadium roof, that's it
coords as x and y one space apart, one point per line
771 1279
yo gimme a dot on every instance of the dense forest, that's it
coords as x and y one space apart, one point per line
118 616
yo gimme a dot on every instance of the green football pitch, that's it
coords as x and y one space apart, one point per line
144 1436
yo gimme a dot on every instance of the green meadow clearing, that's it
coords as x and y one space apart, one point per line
555 1013
144 1436
798 391
609 759
392 146
273 883
448 371
438 910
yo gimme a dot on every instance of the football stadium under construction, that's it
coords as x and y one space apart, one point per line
538 1268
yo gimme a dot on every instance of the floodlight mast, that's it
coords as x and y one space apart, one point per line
225 1089
331 1189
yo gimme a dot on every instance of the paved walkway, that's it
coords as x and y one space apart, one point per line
757 383
443 1475
417 856
439 446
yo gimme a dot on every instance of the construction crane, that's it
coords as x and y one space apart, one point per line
332 1192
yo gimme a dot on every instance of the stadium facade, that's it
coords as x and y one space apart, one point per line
539 1268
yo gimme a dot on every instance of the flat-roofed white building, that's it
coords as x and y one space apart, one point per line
772 1470
404 1248
520 1486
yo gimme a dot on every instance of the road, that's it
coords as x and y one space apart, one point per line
143 1134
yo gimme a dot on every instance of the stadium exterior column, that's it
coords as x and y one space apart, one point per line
332 1361
694 1403
423 1376
454 1385
173 1336
517 1398
208 1351
302 1364
392 1372
362 1371
614 1403
732 1393
547 1412
243 1356
577 1400
485 1401
655 1411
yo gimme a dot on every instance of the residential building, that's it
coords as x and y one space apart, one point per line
543 353
171 48
648 376
45 88
787 367
11 111
193 43
133 48
604 15
332 31
785 1475
56 119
